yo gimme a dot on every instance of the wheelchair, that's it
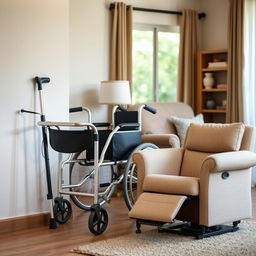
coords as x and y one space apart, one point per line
91 149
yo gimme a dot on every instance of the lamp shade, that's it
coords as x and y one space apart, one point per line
115 92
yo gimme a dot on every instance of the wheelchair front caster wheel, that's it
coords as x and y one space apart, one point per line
98 221
62 210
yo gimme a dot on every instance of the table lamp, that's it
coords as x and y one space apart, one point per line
115 93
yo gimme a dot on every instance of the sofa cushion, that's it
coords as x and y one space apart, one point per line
182 125
171 184
214 138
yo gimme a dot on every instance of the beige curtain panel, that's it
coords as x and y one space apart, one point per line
235 62
186 90
121 42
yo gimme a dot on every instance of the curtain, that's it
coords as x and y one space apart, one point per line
249 75
235 62
121 42
186 90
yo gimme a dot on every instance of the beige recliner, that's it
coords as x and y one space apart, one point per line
204 185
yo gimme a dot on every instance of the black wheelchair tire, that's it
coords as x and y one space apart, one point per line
98 225
62 210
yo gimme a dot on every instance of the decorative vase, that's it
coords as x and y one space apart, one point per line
208 81
210 104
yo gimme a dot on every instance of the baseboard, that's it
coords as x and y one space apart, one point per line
24 222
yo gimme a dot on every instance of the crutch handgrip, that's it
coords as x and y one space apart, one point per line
40 81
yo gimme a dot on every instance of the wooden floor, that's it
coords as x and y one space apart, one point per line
42 241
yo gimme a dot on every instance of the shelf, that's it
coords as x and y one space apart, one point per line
214 110
214 69
214 51
220 75
214 90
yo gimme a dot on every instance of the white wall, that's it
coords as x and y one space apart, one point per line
34 41
89 45
215 25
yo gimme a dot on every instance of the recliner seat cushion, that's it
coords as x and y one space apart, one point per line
214 138
171 184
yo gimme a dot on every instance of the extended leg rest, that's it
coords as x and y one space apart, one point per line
157 207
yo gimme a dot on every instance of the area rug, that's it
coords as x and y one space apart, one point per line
153 243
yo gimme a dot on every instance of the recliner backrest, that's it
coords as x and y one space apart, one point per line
206 139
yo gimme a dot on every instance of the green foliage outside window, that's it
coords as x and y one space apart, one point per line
168 49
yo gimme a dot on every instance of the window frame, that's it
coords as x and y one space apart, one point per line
155 29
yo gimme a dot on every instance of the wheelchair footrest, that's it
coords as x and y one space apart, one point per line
157 207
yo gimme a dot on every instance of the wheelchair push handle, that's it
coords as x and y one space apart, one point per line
76 109
80 109
150 109
40 81
121 108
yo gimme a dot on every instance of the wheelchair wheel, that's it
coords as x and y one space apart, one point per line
130 176
80 171
98 223
62 210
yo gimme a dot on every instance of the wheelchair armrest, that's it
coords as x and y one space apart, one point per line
101 124
129 125
67 124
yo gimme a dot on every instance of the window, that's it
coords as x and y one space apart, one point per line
155 63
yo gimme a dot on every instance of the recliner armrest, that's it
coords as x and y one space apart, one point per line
229 161
157 161
162 140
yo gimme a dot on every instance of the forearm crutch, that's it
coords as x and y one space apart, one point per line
40 81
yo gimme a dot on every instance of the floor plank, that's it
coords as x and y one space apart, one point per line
42 241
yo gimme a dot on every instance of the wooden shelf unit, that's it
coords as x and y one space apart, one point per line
214 69
220 77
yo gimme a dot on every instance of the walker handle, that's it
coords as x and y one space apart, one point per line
40 81
150 109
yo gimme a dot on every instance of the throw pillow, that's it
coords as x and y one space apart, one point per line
182 125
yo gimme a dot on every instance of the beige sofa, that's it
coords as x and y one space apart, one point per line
158 129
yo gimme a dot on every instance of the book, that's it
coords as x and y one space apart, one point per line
222 86
221 107
222 64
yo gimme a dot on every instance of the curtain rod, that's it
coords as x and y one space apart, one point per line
200 15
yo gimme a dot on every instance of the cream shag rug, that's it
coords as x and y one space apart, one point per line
153 243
